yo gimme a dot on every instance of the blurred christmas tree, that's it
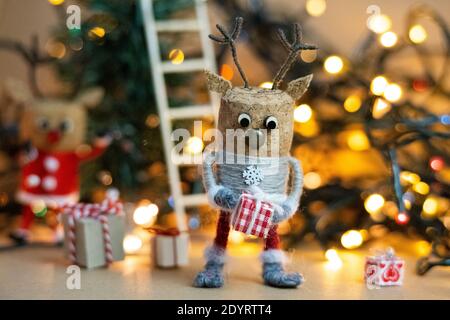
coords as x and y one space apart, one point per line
110 51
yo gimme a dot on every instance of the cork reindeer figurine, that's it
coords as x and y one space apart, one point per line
264 167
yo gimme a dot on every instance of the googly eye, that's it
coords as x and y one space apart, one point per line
271 122
244 120
66 125
43 123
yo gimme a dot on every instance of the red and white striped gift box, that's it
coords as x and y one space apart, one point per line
97 211
252 216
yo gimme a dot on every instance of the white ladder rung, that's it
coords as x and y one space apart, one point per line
177 25
193 200
189 112
186 66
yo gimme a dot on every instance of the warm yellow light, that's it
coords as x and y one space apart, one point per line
430 207
364 234
332 255
308 129
409 177
266 85
352 103
333 64
380 108
421 188
302 113
308 56
132 243
56 2
358 141
194 145
334 261
176 56
374 203
236 237
388 39
145 215
226 72
407 203
316 8
351 239
417 34
312 180
379 23
423 247
393 92
378 85
98 31
55 49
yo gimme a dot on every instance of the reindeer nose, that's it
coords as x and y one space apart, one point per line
254 138
53 136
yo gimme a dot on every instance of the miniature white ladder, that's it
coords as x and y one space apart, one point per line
167 115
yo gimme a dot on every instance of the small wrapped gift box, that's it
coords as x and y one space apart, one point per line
384 269
170 247
93 233
252 216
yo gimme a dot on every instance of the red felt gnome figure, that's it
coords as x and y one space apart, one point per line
55 129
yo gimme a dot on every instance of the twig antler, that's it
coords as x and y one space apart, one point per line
229 39
293 48
31 56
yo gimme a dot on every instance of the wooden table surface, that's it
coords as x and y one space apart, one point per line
40 273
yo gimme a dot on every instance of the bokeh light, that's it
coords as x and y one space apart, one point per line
145 215
352 103
194 145
312 180
333 64
226 71
351 239
374 203
379 23
388 39
378 85
393 92
302 113
132 244
357 141
421 188
316 8
417 34
266 85
380 108
176 56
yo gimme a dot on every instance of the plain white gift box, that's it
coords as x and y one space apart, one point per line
170 251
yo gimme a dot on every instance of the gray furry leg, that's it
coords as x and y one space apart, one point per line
212 275
273 271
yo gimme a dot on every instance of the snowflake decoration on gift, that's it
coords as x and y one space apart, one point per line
252 175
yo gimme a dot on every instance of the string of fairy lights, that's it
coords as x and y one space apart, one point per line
372 102
419 199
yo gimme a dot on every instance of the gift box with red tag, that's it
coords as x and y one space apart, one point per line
252 216
384 269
